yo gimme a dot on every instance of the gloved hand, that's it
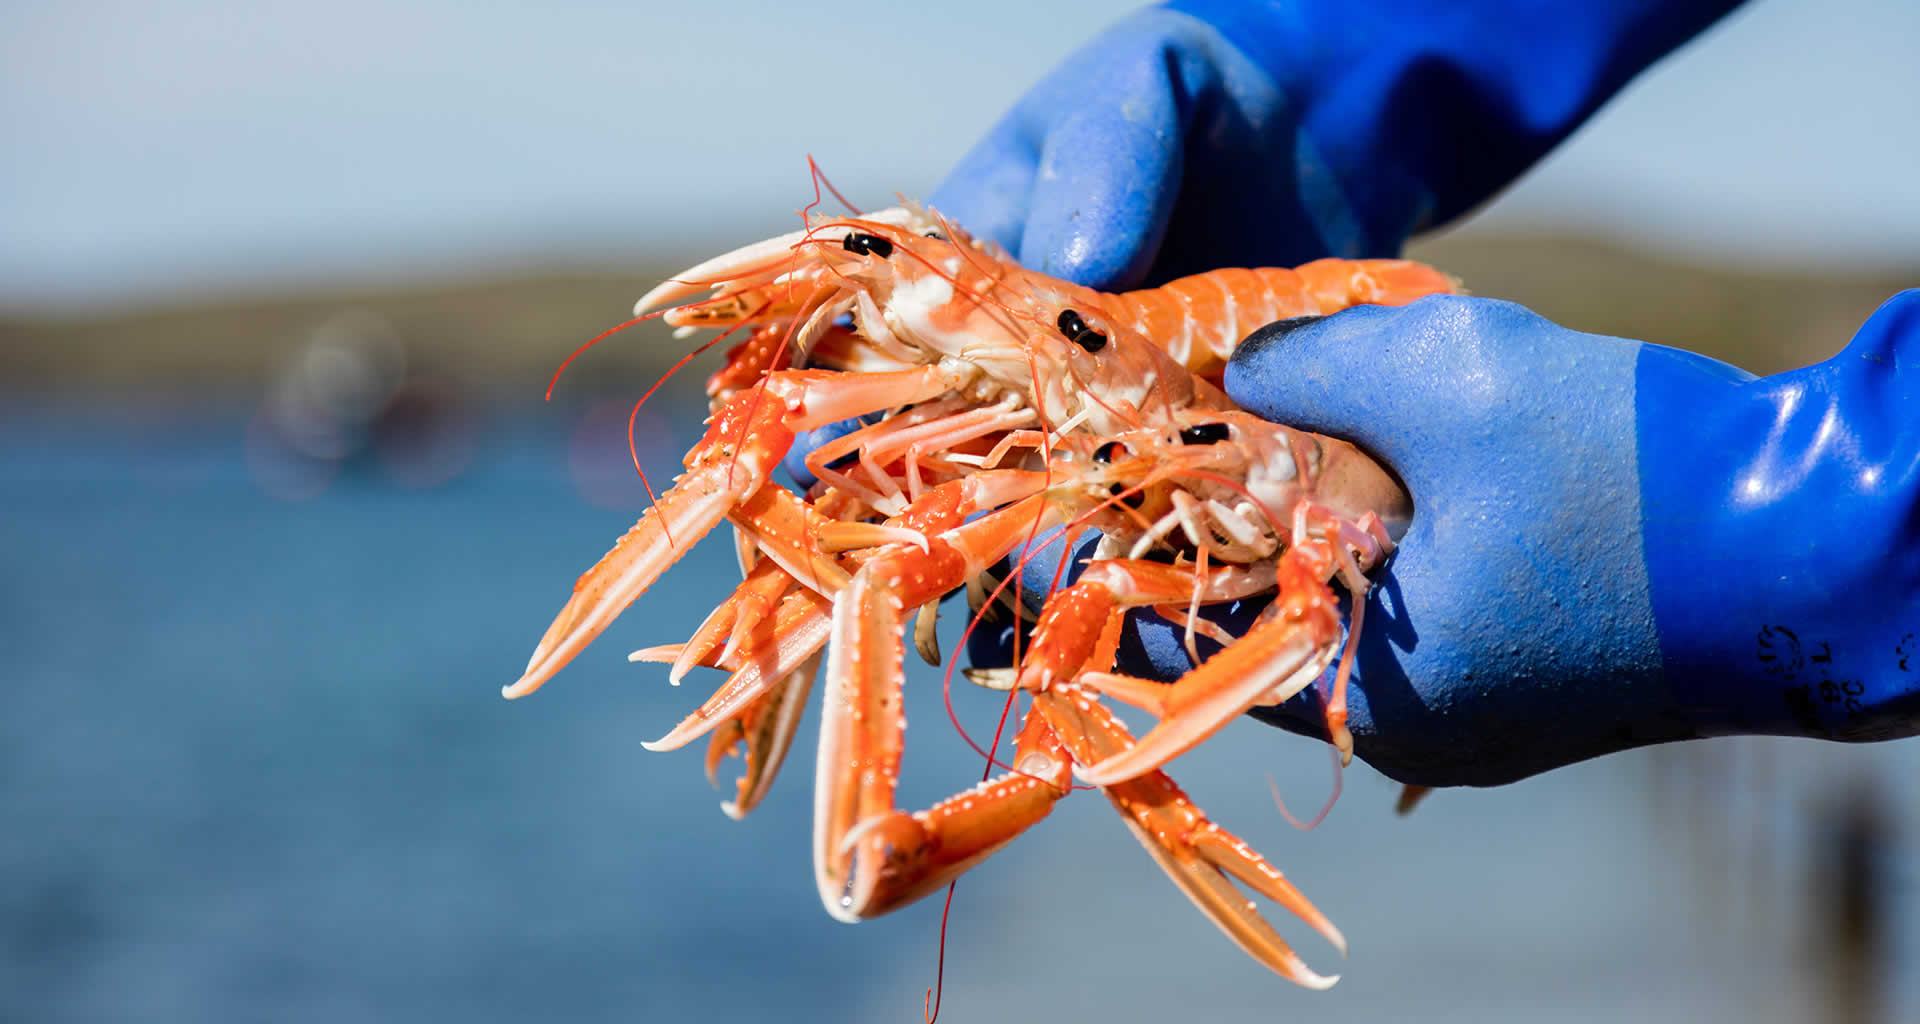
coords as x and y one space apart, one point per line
1128 163
1613 543
1220 133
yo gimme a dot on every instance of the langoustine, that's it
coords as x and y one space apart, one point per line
987 355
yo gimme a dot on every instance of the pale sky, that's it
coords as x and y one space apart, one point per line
162 151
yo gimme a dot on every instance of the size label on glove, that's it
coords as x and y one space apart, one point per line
1825 701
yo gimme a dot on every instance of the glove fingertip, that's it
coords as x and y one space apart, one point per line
1296 371
1102 198
1332 375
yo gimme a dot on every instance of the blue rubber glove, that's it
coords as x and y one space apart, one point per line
1211 133
1214 133
1613 543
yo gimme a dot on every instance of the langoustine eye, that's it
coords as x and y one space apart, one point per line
862 244
1104 455
1074 327
1204 433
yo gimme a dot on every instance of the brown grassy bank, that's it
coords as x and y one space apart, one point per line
499 339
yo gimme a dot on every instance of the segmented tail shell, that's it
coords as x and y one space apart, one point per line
1199 319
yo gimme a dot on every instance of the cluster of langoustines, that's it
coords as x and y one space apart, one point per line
1000 404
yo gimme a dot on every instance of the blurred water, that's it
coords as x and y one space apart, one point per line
253 765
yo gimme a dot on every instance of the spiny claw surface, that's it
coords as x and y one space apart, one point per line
765 729
661 536
1280 656
799 631
1198 855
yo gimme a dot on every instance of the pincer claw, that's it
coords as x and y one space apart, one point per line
1196 854
694 506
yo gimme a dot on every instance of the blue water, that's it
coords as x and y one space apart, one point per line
254 765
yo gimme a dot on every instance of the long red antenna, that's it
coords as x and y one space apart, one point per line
1314 822
589 343
940 969
819 179
930 1007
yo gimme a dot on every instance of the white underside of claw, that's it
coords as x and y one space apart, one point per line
1291 668
780 737
634 564
836 729
751 680
697 279
1222 904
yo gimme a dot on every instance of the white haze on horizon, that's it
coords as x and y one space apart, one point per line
160 152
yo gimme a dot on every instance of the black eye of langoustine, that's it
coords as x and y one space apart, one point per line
1075 328
1104 456
862 244
1204 433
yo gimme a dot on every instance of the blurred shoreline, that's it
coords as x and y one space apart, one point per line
497 337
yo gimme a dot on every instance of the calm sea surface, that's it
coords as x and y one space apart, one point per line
254 765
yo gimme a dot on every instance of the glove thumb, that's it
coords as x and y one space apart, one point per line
1102 197
1345 375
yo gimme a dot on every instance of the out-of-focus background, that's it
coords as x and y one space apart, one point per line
280 288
